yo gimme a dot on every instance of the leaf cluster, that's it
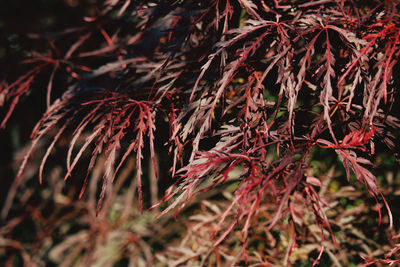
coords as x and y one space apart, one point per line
249 90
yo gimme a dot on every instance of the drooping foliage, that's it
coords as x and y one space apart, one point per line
250 90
